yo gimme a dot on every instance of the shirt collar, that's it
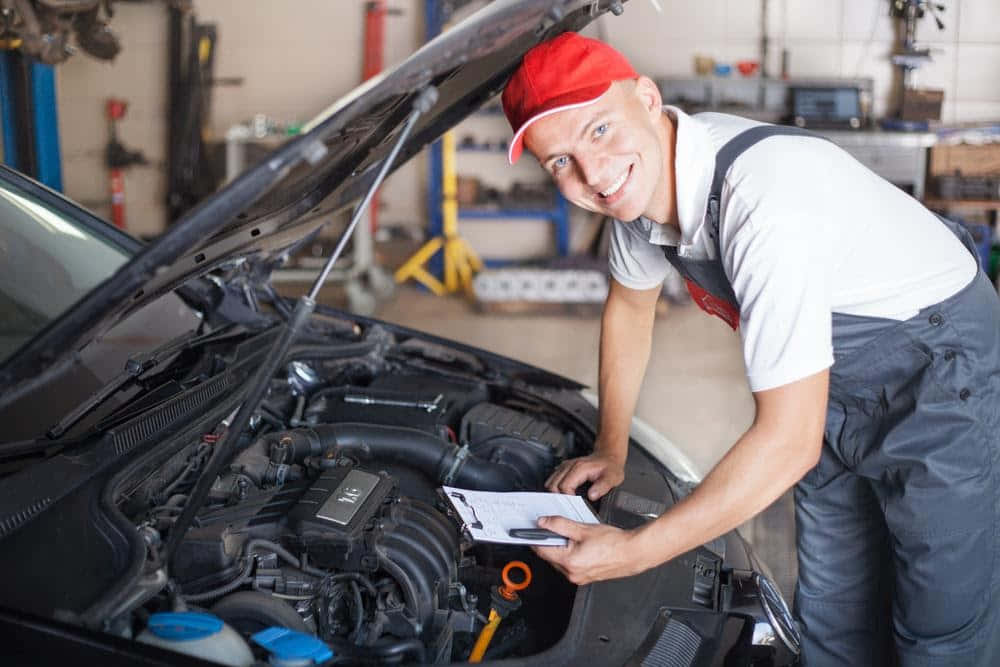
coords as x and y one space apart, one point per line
694 166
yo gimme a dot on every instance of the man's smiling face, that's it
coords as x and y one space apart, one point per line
608 156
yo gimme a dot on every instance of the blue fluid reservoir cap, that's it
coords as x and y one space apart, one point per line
183 626
285 644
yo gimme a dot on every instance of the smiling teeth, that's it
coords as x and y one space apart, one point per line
616 185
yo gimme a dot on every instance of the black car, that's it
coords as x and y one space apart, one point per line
189 461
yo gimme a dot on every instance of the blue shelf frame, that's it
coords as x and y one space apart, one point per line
433 22
558 215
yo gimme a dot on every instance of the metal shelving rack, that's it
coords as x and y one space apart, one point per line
557 214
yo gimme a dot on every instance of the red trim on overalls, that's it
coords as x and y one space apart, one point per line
713 305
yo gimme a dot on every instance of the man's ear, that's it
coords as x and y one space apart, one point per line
649 94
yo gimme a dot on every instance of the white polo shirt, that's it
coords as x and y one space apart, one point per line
805 230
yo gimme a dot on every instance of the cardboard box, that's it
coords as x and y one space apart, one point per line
966 159
922 104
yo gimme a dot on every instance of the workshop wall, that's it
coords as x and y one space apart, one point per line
295 56
138 75
838 38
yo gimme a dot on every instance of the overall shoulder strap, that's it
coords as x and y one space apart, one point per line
732 150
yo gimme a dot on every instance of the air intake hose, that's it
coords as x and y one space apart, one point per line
439 459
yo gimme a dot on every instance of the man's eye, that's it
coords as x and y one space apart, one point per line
560 162
600 130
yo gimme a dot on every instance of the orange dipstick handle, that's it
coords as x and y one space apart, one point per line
510 588
508 591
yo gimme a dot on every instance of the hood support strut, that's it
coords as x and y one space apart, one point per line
226 447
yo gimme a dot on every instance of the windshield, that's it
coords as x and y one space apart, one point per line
49 262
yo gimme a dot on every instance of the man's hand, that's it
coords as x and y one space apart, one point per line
595 551
605 471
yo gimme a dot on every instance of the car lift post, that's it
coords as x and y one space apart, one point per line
29 119
460 261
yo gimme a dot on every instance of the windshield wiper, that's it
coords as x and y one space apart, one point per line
227 444
134 367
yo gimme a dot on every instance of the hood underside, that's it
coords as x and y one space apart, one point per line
290 195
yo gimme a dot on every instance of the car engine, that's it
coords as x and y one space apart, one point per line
330 521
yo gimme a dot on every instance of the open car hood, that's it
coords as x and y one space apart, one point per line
290 195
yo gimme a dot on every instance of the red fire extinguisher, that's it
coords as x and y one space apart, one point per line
118 157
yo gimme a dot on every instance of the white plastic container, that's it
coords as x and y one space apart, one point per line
200 635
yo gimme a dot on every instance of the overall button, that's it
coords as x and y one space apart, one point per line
949 355
964 394
936 319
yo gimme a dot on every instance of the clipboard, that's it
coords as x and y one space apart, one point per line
489 516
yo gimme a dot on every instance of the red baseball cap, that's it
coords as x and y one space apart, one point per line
566 72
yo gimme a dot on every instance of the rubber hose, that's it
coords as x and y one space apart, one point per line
271 546
251 611
243 578
342 576
360 608
358 578
432 455
302 442
245 575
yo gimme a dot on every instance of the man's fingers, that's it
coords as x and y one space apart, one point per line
580 473
553 555
599 488
561 479
552 483
569 475
563 526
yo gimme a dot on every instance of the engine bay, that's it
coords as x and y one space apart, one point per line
322 522
330 520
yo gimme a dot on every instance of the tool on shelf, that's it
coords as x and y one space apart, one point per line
915 106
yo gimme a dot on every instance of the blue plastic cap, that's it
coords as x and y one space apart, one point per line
183 625
285 644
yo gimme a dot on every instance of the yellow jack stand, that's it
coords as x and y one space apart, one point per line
460 260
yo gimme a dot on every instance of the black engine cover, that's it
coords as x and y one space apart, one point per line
330 519
353 520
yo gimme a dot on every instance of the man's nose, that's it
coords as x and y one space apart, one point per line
591 168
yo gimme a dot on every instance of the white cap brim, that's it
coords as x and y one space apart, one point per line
519 135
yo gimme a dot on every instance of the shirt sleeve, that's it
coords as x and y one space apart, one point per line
778 266
633 260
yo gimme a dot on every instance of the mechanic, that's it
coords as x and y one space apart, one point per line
872 346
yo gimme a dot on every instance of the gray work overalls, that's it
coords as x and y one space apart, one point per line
900 518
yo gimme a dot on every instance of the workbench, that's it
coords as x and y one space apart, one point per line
898 157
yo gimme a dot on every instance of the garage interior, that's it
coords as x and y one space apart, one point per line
195 91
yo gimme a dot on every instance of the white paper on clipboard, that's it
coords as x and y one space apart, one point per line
489 515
